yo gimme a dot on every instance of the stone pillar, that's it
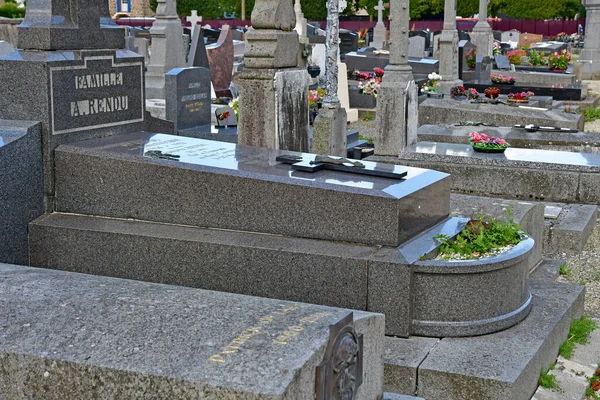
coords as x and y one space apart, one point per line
329 133
273 105
449 48
397 109
167 48
588 65
379 32
482 35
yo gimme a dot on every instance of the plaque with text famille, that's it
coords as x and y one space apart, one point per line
315 163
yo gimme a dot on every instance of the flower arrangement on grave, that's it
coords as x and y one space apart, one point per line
315 96
379 73
472 94
224 116
492 92
559 61
362 37
537 59
369 87
514 57
484 143
432 85
360 76
471 58
522 97
505 79
234 104
496 48
457 91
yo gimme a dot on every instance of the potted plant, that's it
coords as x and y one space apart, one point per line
559 62
514 57
537 59
472 94
492 92
432 85
314 70
503 79
485 144
369 87
471 58
522 97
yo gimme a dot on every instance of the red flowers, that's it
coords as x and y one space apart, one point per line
223 116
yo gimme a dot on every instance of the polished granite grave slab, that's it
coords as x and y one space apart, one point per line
77 336
223 185
557 176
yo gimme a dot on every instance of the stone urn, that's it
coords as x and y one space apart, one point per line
492 92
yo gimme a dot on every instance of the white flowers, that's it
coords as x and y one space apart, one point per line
434 77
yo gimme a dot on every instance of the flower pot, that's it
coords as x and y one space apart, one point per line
492 92
488 149
314 71
558 71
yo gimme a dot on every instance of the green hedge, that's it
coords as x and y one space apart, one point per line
11 10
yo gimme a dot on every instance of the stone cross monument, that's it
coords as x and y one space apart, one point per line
482 35
397 105
273 105
449 48
329 134
379 32
68 25
167 48
588 65
193 19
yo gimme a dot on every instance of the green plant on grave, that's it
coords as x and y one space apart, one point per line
579 333
548 380
565 270
591 114
536 59
481 235
368 139
11 10
593 389
368 117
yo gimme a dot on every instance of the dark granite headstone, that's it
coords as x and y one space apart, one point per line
220 59
95 93
211 36
483 69
187 99
198 56
464 46
464 35
348 41
502 61
238 34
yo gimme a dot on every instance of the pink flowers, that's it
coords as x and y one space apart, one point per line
483 141
520 96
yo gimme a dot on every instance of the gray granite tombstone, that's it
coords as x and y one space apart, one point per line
502 61
348 41
464 46
416 47
197 56
211 35
187 101
483 69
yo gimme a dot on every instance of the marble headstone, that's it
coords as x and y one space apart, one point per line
416 46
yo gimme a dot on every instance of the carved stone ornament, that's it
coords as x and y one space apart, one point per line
340 374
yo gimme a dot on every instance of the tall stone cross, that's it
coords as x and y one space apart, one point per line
193 19
379 7
69 25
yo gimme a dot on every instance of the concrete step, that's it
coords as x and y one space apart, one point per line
394 396
571 229
500 366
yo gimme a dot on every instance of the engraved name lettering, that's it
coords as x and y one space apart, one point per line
97 106
92 81
197 96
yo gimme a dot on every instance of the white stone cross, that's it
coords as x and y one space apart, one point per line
194 19
342 5
379 7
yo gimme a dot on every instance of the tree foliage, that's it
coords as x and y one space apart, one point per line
419 9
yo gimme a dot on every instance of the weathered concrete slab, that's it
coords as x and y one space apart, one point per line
569 232
504 365
434 111
76 336
517 173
